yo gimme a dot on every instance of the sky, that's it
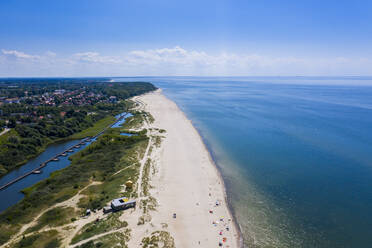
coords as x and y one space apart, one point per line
185 38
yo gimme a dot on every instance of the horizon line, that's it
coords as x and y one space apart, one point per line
361 77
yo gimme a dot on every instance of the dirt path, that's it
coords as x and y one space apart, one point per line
72 202
97 236
68 231
143 162
5 131
132 216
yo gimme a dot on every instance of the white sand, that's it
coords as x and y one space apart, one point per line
188 182
185 181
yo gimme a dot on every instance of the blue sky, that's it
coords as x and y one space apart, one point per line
163 37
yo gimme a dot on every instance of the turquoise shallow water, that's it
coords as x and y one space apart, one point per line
295 153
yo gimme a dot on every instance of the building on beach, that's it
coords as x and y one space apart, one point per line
122 203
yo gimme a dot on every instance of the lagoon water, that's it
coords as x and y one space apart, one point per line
295 154
12 194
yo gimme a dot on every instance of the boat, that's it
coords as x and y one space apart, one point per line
37 172
64 154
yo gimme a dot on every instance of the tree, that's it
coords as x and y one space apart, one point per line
12 123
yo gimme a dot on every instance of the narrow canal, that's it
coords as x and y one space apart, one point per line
12 194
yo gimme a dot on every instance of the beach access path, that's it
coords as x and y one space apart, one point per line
188 183
4 131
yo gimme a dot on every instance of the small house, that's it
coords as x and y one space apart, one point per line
122 203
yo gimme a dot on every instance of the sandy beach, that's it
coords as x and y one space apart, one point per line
187 183
179 193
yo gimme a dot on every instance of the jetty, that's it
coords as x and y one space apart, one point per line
38 169
63 153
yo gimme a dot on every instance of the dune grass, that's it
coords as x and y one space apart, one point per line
117 239
99 161
111 222
158 239
47 239
54 217
111 160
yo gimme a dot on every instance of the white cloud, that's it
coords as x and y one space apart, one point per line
176 55
95 57
18 54
176 61
50 54
185 62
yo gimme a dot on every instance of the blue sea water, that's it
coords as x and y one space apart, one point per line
295 154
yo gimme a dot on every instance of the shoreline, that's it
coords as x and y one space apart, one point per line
228 202
213 171
218 171
181 193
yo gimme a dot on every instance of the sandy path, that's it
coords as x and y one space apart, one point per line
4 131
72 202
143 162
188 183
98 236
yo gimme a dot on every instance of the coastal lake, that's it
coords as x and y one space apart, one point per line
13 194
295 154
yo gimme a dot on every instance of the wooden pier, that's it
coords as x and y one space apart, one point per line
56 157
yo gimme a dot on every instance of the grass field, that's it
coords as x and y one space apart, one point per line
97 127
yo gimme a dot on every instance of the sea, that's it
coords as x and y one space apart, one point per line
295 153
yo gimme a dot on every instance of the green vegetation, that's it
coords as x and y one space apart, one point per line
137 120
95 129
158 239
158 141
148 204
101 161
150 118
47 239
143 219
117 239
47 111
55 217
146 178
97 196
112 222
